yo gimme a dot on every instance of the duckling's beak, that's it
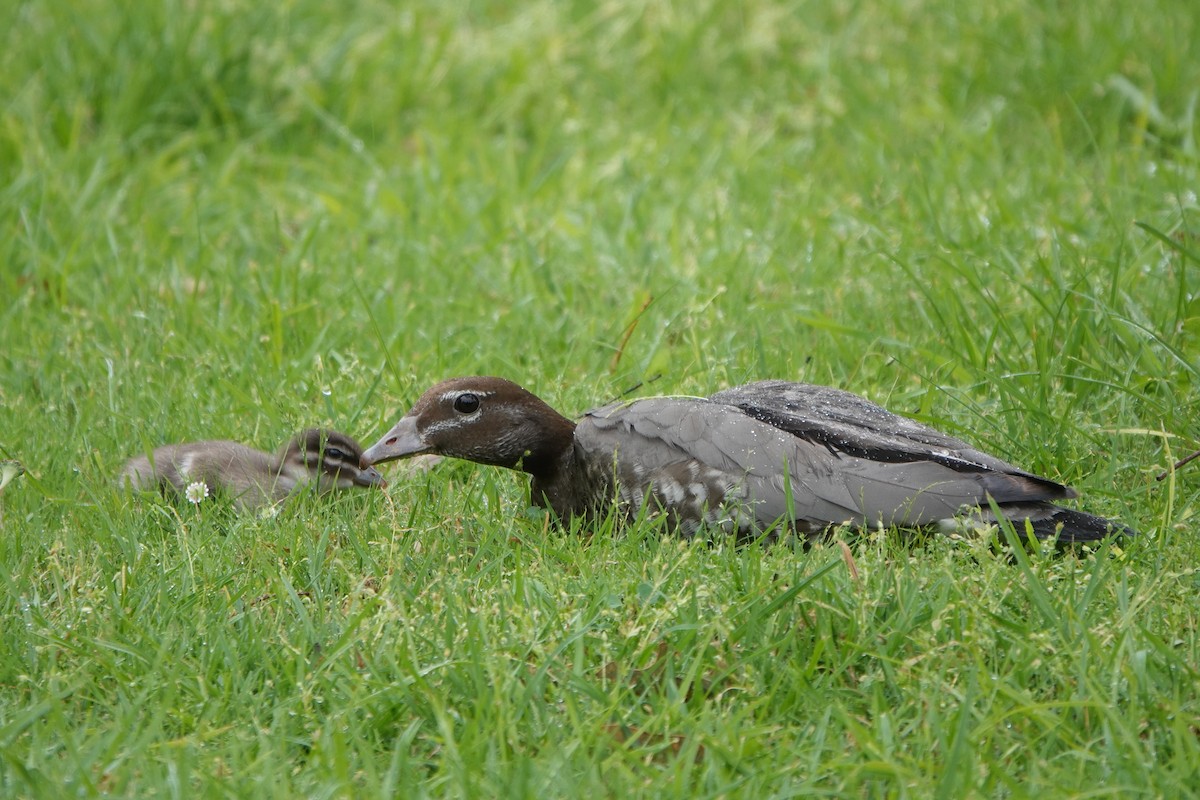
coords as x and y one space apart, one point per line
369 477
401 441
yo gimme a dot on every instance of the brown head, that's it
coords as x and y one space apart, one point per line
333 460
482 419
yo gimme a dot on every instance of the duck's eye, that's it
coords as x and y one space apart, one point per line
466 403
334 454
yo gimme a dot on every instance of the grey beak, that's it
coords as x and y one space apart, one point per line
401 441
369 477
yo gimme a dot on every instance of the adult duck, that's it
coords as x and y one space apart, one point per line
745 459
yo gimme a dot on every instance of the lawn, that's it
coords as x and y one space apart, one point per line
237 219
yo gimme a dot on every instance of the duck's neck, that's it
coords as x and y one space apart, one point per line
578 486
550 453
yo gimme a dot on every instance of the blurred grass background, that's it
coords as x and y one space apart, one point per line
230 219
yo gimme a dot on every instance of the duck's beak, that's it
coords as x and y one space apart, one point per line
369 476
401 441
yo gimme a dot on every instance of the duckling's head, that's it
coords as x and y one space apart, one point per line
332 459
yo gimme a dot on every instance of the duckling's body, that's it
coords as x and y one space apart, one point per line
251 478
745 460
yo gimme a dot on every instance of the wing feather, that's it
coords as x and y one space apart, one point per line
848 461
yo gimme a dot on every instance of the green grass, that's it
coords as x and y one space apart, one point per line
239 219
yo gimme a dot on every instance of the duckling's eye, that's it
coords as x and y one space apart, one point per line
334 454
466 403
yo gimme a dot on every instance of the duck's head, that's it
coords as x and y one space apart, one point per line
482 419
332 459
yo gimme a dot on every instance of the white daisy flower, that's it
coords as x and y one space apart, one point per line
196 492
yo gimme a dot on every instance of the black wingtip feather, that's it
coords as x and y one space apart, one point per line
1067 526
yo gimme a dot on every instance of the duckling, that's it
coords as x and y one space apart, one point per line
742 460
254 479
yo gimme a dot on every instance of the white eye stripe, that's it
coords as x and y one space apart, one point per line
441 425
450 397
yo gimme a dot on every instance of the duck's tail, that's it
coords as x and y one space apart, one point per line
1063 525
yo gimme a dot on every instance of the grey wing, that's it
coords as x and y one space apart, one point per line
855 426
737 460
780 474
